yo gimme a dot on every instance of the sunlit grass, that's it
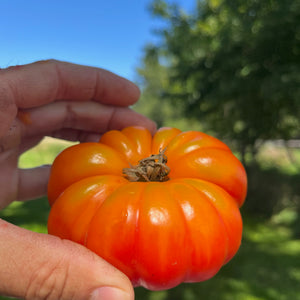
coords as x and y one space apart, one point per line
31 215
285 159
43 153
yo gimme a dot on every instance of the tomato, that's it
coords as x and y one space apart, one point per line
163 209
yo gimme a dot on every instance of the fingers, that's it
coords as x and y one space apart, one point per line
99 94
32 183
91 117
46 81
38 266
8 109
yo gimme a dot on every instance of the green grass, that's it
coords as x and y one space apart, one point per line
44 153
267 266
287 160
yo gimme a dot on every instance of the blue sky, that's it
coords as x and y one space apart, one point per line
109 34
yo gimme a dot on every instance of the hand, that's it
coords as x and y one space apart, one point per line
51 98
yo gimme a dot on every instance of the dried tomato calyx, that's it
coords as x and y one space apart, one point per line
152 168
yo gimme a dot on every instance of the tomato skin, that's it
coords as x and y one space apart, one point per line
84 197
81 161
158 233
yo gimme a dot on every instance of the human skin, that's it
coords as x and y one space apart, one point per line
72 102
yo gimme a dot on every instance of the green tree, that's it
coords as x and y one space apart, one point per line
233 64
153 79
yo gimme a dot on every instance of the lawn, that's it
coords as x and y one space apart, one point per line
267 266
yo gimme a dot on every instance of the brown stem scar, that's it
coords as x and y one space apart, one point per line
152 168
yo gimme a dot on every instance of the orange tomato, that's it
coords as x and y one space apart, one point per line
163 219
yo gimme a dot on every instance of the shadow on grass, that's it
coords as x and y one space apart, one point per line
270 190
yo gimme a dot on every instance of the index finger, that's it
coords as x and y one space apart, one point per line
43 82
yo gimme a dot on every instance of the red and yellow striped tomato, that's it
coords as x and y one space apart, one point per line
163 209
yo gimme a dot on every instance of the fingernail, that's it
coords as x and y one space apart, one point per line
109 293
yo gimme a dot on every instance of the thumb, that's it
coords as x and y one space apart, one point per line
40 266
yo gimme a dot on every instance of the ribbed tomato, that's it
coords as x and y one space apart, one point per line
162 209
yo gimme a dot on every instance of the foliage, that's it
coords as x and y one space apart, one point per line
153 80
232 64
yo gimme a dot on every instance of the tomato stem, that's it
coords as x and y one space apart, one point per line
152 168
